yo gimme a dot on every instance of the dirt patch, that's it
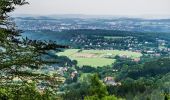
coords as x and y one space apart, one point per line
85 55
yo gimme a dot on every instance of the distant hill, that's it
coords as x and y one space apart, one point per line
72 22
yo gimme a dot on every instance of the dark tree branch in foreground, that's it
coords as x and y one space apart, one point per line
16 53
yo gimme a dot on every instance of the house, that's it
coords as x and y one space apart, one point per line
136 59
123 56
111 81
73 74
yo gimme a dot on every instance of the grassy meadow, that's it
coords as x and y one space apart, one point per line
96 58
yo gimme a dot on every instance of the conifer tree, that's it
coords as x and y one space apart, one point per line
18 54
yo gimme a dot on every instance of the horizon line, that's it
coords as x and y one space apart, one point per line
93 16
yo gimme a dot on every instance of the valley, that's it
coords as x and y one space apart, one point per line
128 56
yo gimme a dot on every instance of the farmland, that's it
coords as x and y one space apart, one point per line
97 58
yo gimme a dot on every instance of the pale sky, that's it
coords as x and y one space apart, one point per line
97 7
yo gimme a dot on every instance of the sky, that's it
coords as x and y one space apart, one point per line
97 7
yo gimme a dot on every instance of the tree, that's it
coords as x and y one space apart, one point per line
18 54
97 87
25 92
98 90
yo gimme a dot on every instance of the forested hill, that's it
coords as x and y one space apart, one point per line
102 39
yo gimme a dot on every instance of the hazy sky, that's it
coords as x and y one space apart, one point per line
97 7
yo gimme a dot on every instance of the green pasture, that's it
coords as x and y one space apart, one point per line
96 58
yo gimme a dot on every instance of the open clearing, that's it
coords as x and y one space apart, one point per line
96 58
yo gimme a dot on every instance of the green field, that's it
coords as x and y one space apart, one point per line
116 37
96 58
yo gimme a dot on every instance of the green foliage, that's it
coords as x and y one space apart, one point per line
148 69
18 54
76 91
104 98
97 87
24 92
90 88
148 81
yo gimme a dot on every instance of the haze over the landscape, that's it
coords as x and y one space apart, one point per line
85 50
132 8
